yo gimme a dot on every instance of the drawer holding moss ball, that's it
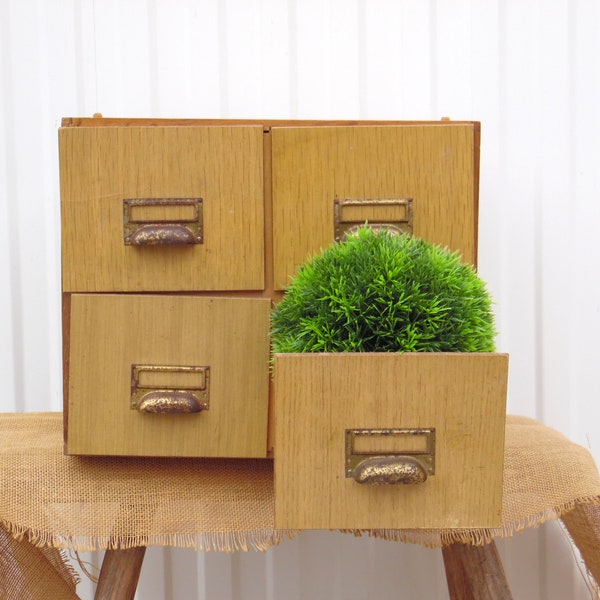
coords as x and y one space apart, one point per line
390 398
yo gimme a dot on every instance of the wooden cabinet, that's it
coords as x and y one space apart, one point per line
177 237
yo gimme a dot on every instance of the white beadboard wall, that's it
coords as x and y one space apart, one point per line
527 69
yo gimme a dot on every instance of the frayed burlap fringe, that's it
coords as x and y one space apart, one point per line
210 541
436 538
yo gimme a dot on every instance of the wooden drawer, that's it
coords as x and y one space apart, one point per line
110 334
434 165
321 397
218 168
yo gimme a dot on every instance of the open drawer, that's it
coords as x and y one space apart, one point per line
344 418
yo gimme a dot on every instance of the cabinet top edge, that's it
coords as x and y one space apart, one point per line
98 121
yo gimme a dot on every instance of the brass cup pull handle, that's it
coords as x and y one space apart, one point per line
390 470
390 456
170 389
161 235
170 402
163 221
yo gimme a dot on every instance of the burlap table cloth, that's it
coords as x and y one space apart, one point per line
59 502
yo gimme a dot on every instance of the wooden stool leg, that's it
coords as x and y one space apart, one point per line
475 573
119 574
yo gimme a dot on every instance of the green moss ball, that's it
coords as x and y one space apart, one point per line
379 292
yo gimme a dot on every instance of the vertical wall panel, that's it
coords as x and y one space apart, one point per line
384 62
13 374
453 59
555 220
487 93
55 56
184 42
124 73
312 56
284 575
30 217
156 578
240 26
517 181
275 60
9 282
219 575
554 275
345 37
325 61
527 70
583 202
416 80
180 573
75 49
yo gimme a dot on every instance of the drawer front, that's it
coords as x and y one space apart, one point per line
162 208
134 356
436 166
336 412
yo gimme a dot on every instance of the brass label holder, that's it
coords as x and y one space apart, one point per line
390 456
190 394
390 214
162 222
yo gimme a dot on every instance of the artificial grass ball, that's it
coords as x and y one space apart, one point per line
380 292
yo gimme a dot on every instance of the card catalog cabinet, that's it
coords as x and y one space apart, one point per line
177 237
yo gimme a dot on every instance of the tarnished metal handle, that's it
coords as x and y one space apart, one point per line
390 456
170 389
394 215
162 221
390 470
161 235
170 402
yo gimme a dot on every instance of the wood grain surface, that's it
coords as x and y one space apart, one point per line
110 333
100 167
435 165
319 396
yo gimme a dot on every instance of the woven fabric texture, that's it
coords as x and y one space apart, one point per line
30 573
88 503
